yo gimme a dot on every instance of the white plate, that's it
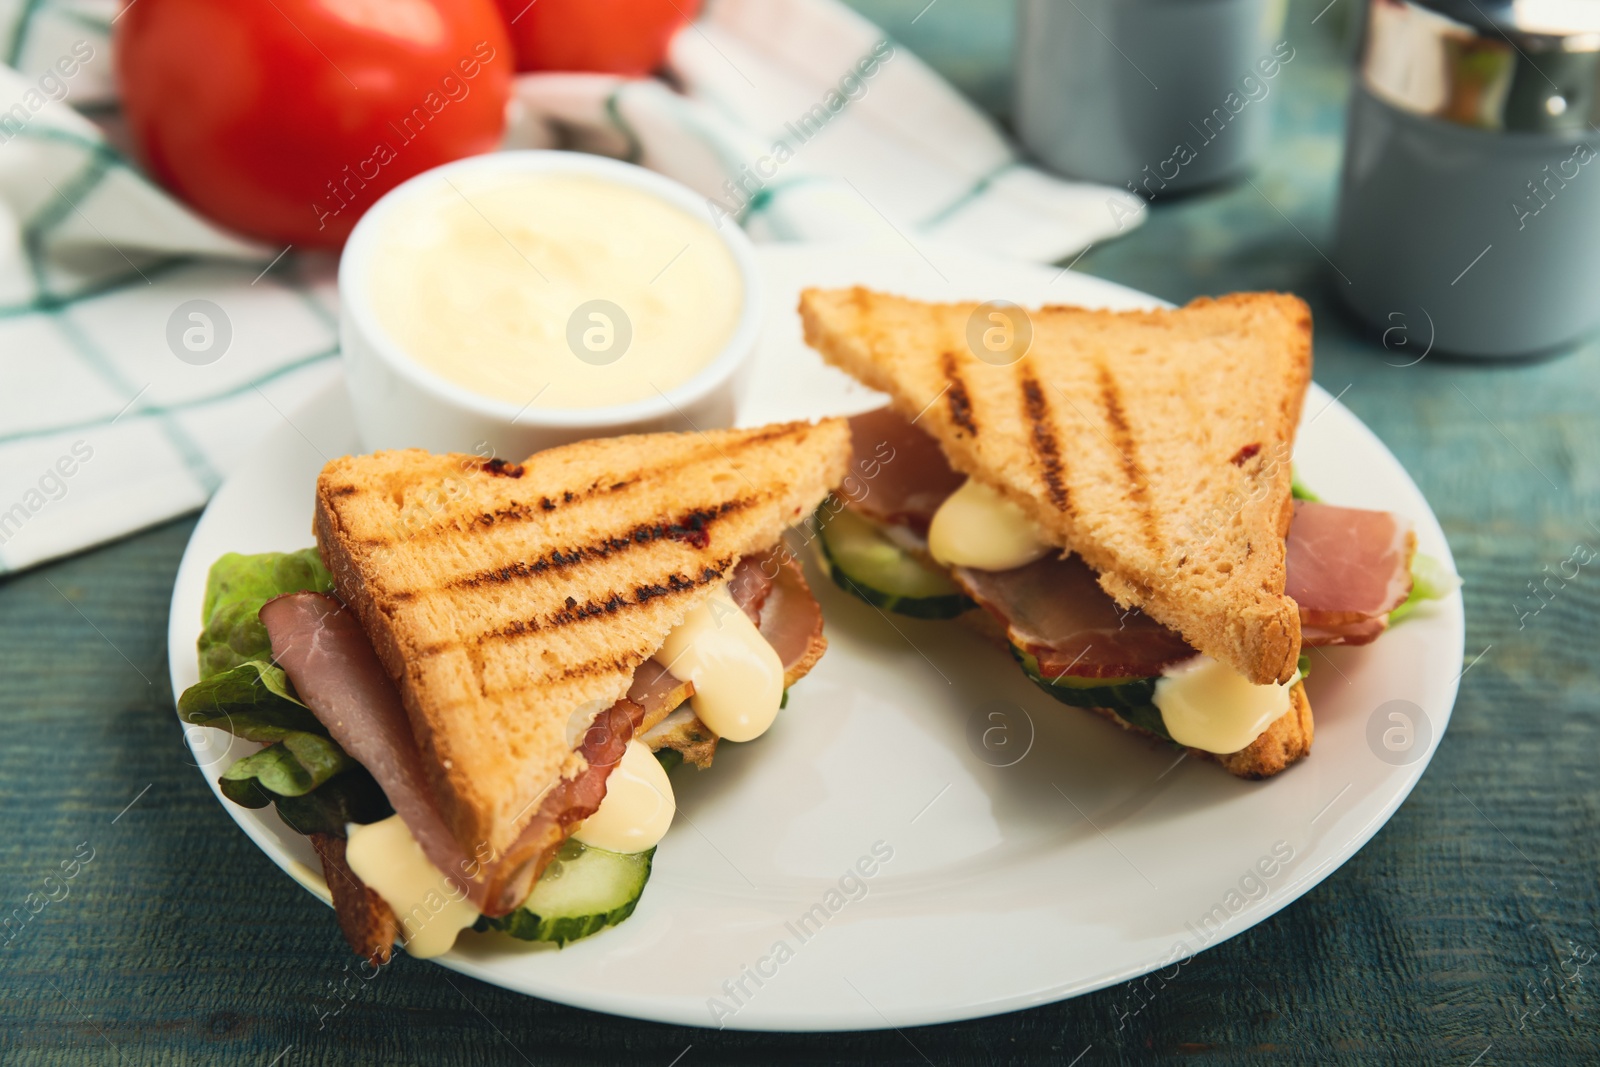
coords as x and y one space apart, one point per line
1091 860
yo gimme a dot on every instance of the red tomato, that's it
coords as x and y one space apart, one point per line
610 36
286 119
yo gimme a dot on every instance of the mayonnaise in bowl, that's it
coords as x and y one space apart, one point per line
524 299
559 290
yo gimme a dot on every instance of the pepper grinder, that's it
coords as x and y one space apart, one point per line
1469 204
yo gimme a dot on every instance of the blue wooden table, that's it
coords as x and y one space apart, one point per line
1456 936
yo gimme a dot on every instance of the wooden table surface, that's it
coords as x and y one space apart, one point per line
1456 936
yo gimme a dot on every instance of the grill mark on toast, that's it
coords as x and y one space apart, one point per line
614 604
511 513
501 467
592 669
614 665
692 527
538 508
1122 441
1042 439
960 399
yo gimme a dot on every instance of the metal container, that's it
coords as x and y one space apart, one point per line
1156 96
1469 205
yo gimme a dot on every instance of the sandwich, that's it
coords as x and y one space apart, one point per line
1115 489
471 689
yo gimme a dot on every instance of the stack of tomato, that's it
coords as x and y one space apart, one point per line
285 120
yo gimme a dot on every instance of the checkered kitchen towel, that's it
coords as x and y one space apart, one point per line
143 351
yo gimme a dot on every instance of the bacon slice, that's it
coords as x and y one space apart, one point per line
326 654
751 582
1347 569
569 801
369 925
658 691
787 614
898 474
1055 609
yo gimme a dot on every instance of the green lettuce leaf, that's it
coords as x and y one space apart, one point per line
351 796
292 767
1298 490
235 590
1430 580
253 701
315 785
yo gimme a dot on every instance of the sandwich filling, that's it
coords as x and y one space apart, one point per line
929 531
735 652
343 764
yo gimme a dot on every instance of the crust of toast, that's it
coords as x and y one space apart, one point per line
1285 742
512 602
1155 444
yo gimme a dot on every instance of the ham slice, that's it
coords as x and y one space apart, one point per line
657 690
1347 569
1055 609
326 654
1363 632
750 583
772 591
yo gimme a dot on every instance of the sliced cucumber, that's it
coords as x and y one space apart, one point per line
1131 698
862 560
583 891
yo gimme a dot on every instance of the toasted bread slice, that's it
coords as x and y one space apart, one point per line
512 603
1155 444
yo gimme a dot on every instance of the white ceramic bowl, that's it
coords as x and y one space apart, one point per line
399 403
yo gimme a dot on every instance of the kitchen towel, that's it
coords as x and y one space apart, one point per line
143 351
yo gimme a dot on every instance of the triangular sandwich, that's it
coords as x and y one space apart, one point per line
1153 445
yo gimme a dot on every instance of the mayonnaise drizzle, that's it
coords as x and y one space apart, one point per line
737 674
977 527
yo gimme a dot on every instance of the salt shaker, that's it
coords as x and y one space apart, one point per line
1469 204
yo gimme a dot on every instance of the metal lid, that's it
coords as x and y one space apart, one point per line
1534 23
1516 65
